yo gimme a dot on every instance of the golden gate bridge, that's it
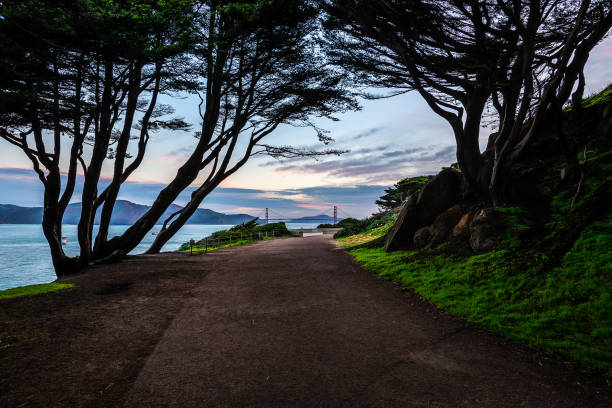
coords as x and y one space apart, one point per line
270 215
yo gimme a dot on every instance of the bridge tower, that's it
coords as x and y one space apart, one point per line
266 215
335 214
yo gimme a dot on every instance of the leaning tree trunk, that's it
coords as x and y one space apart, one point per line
214 179
119 246
182 217
113 189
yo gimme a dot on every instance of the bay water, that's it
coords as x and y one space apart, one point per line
25 257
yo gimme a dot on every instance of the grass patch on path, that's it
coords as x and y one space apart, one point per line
32 290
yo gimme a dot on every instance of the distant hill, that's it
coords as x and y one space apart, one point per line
125 212
316 219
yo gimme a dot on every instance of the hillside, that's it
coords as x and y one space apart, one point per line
537 269
125 212
319 219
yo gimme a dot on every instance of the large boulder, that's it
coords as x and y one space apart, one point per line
437 195
442 227
405 226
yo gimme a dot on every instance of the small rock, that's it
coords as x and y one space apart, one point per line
421 237
484 230
463 226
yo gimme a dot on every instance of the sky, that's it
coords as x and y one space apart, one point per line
387 140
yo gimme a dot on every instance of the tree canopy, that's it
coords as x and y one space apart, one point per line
80 85
522 59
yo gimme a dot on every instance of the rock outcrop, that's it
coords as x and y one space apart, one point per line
436 196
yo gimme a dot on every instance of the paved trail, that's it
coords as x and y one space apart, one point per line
294 322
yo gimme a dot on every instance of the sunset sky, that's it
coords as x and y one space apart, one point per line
388 139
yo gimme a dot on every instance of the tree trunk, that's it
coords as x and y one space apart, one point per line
469 157
186 174
122 145
92 177
52 229
166 233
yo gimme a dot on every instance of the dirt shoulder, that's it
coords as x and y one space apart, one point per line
288 322
84 346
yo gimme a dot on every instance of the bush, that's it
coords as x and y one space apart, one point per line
245 232
351 226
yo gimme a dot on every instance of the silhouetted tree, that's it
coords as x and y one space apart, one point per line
80 83
400 191
261 68
78 74
523 58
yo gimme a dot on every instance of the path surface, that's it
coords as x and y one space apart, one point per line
295 322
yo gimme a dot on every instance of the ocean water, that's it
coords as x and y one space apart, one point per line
25 257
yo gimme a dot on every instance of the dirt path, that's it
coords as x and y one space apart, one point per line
294 322
281 323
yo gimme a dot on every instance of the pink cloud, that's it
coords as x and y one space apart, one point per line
314 206
24 177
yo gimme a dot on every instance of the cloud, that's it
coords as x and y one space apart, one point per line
351 153
377 165
173 159
369 132
598 70
283 195
17 173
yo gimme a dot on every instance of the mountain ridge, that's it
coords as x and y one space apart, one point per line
125 212
319 218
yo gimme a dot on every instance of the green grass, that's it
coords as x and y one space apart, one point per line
595 99
549 283
601 97
565 311
32 290
238 234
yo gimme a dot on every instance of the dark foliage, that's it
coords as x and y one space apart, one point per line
518 61
354 226
401 191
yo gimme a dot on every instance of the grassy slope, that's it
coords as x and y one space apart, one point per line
549 283
203 249
567 310
367 236
236 236
31 290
